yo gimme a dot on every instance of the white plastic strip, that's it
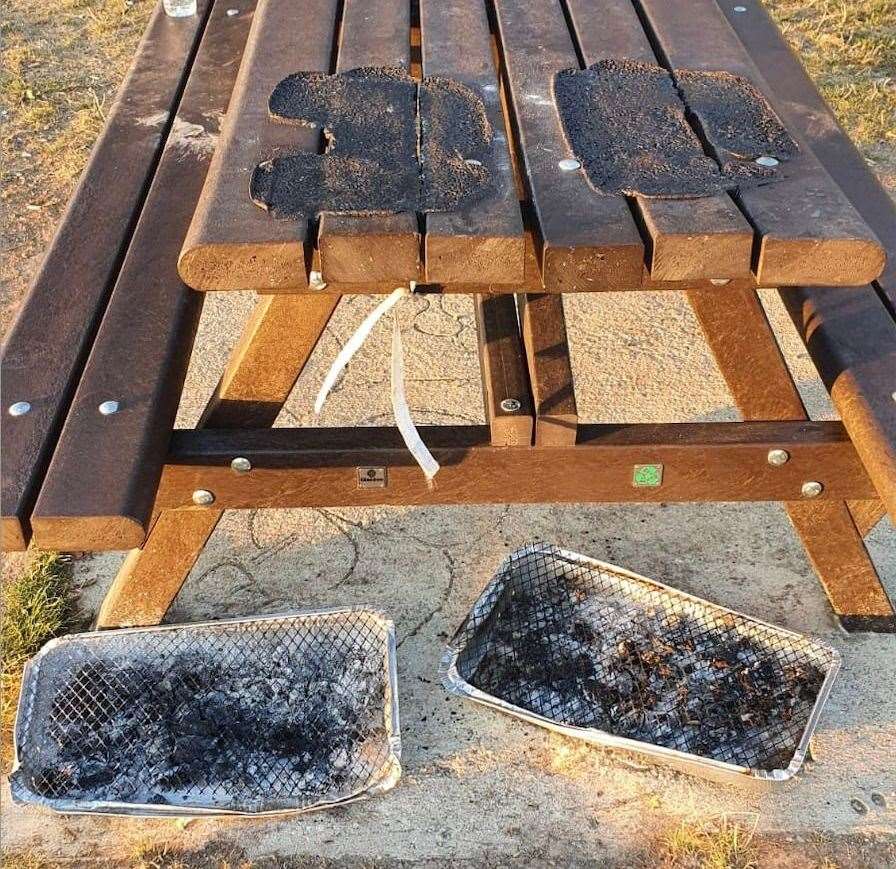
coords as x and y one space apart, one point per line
402 412
400 408
354 344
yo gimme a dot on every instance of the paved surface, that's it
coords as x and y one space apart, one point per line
478 785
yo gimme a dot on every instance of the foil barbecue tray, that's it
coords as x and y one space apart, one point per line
284 713
604 655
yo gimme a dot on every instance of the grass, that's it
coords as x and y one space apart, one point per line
37 605
719 843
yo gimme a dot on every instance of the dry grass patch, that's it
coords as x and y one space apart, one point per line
717 843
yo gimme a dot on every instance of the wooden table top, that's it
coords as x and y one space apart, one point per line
544 228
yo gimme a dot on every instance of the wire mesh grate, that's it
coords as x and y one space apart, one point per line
583 645
282 713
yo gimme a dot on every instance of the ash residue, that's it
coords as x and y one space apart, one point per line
392 145
628 124
280 726
571 647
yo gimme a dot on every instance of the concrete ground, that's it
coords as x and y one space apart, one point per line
478 786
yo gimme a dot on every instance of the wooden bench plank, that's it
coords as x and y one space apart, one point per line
503 370
543 326
380 247
585 241
702 462
73 285
810 232
102 481
487 238
850 334
232 244
690 239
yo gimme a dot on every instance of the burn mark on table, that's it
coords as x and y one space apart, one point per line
393 144
630 125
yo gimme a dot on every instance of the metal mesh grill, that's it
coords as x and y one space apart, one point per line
586 646
273 714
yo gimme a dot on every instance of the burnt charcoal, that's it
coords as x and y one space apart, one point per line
278 724
626 125
736 119
567 646
392 145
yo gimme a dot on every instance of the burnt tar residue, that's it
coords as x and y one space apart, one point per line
393 144
627 122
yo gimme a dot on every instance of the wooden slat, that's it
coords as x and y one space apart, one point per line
690 239
503 370
702 462
810 232
585 241
812 116
744 345
485 239
380 247
72 287
233 244
543 326
101 483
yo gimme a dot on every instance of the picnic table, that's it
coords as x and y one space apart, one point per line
93 367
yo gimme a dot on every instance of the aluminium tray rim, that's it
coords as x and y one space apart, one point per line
454 683
391 768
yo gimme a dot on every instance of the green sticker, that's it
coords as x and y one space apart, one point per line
647 475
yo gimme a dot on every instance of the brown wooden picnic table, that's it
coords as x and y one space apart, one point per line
94 365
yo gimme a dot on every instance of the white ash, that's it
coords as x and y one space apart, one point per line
273 726
563 647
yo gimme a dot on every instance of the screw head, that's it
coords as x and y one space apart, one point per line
241 465
740 8
569 165
107 408
778 457
511 405
768 162
232 12
812 489
202 498
19 408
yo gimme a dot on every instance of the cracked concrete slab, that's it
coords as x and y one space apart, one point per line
477 785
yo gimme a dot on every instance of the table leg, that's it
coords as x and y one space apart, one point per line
751 362
272 351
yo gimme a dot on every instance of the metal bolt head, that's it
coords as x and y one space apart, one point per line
19 408
778 457
241 465
812 489
107 408
232 12
202 498
511 405
740 8
767 162
569 165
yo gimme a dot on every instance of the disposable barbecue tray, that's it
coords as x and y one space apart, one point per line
604 655
282 713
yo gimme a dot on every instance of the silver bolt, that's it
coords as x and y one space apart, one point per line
202 498
778 457
812 489
740 8
20 408
768 162
232 12
241 465
107 408
569 165
719 282
511 405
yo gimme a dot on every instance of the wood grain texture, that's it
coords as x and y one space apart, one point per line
585 241
689 238
232 244
810 232
72 287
